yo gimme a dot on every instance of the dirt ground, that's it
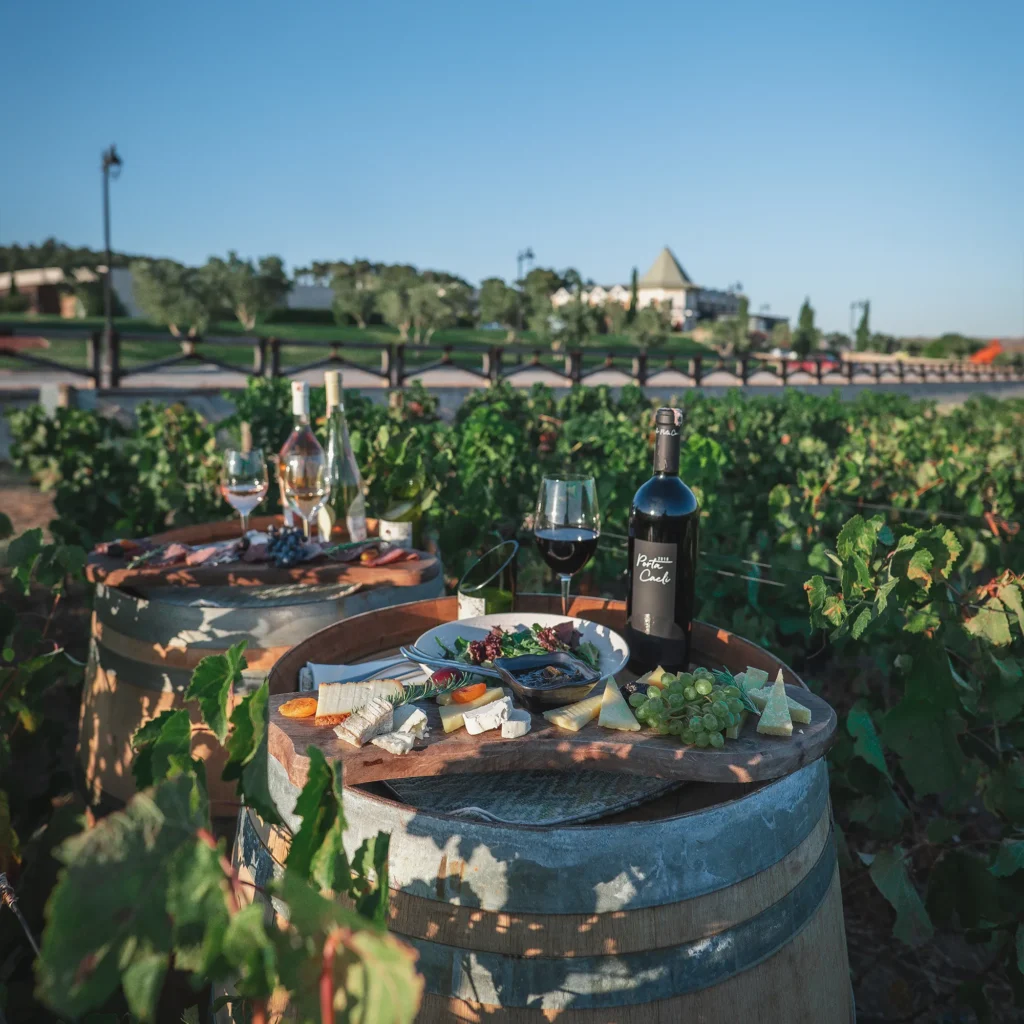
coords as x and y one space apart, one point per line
23 502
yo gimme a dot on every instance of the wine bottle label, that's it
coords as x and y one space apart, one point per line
655 567
356 526
399 534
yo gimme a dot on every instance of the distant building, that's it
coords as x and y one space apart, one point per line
42 286
666 281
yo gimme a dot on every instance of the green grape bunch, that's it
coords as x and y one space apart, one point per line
690 705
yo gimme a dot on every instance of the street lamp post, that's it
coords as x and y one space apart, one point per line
111 166
526 255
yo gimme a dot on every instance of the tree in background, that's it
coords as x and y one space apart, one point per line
180 297
863 334
615 315
731 334
355 296
251 291
435 306
651 326
498 304
634 297
805 337
836 341
782 337
394 302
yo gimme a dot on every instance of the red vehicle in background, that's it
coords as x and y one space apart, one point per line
987 354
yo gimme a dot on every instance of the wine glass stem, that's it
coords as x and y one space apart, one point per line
305 527
564 580
245 522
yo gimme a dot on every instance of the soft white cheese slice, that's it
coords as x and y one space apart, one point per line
411 719
487 717
335 700
395 742
517 724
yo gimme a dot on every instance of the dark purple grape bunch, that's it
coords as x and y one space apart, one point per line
284 545
485 650
547 639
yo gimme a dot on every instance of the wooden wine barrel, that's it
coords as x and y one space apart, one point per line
144 647
711 903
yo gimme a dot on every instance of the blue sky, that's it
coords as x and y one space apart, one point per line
841 151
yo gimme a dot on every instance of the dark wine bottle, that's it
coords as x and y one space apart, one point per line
663 521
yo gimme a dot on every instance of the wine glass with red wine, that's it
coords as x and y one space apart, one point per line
566 524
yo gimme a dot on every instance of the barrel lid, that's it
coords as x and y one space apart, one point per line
539 798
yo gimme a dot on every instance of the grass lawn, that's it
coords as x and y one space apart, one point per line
68 343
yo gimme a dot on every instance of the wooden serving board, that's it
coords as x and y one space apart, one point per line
751 758
114 572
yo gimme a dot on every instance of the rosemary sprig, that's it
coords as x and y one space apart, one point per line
726 678
413 692
147 556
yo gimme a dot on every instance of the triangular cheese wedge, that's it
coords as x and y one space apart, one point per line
575 716
615 712
775 718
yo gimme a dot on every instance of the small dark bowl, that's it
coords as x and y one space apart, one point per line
543 698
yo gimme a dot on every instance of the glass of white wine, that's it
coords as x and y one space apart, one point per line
243 482
306 484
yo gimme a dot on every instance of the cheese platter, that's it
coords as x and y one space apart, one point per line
705 724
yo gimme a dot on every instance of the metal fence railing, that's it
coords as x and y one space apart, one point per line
396 364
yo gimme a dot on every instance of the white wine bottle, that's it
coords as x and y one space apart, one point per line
302 464
347 503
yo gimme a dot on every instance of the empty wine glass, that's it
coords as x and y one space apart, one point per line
305 484
243 482
566 525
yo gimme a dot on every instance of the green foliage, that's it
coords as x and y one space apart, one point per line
863 335
805 337
150 886
183 298
250 291
355 297
498 303
650 326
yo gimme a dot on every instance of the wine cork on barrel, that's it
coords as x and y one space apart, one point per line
332 383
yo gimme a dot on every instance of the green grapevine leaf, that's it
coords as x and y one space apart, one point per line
107 915
6 526
889 873
1010 595
817 591
212 683
250 951
1009 860
918 567
163 746
196 902
990 623
373 901
866 742
374 973
317 851
925 738
247 753
861 623
9 847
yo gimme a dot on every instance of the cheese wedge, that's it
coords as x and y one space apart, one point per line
754 678
654 676
733 732
775 719
797 712
577 715
615 713
336 701
452 714
373 719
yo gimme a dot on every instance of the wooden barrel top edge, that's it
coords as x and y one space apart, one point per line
696 852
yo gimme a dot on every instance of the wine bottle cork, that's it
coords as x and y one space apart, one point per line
246 438
332 383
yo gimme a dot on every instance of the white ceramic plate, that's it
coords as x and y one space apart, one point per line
614 650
